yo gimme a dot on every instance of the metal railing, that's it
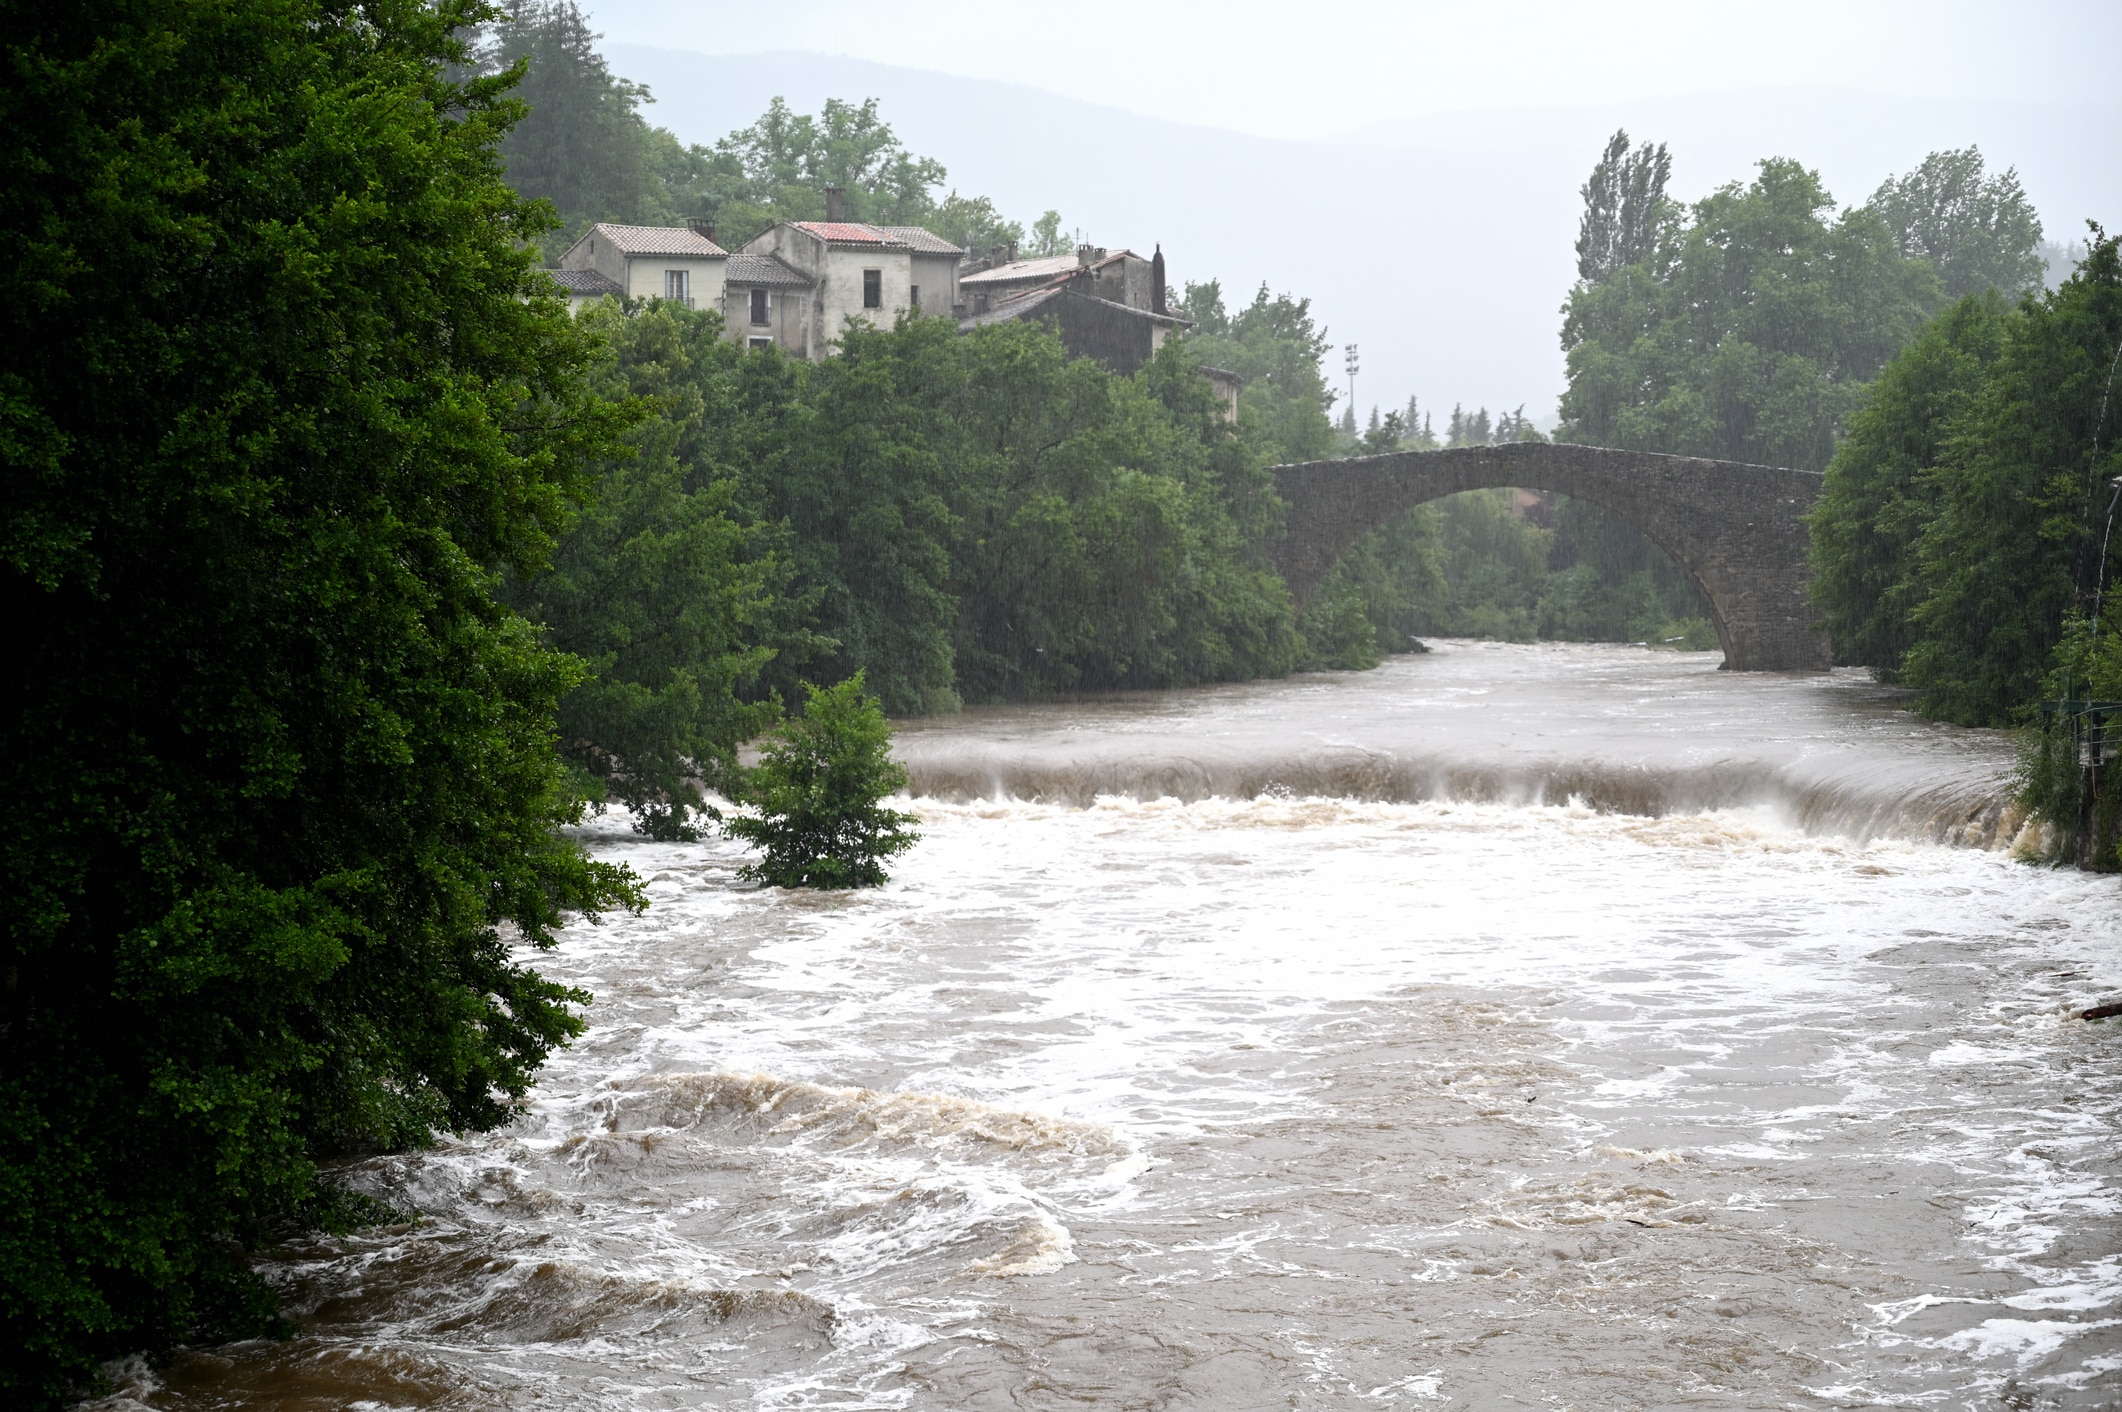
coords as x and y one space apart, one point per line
2071 791
2091 726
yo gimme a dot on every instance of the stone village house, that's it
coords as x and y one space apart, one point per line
796 285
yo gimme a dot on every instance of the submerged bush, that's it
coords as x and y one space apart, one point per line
819 789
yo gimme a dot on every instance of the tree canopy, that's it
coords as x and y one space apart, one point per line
1748 331
284 396
1963 523
818 794
1624 205
1977 232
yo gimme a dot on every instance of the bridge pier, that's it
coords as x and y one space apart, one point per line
1737 531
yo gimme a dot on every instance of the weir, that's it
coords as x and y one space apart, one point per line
1737 531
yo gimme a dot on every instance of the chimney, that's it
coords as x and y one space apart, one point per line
1013 252
836 203
1156 281
1084 256
702 227
997 255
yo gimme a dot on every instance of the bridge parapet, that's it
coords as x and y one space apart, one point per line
1737 531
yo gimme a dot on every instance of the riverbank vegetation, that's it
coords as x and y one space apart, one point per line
283 401
1963 546
1964 525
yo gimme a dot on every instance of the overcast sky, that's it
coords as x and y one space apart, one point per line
1330 67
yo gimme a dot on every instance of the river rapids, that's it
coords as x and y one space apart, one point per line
1553 1026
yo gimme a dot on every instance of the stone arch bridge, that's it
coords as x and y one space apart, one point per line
1737 531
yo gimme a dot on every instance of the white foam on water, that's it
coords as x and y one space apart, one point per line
1125 1096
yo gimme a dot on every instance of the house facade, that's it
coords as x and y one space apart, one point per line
1105 305
797 285
766 303
679 263
851 270
1118 276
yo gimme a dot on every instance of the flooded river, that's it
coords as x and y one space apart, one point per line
1559 1027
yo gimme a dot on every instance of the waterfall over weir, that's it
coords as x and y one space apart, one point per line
1609 729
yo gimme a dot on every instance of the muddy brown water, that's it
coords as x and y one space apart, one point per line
1572 1027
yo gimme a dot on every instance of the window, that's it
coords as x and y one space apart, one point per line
676 287
759 306
913 296
759 343
873 289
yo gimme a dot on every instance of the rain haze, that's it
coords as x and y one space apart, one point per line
1412 169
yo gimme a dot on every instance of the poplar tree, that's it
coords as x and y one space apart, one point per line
1624 199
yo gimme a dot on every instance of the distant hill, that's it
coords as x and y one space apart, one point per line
1442 245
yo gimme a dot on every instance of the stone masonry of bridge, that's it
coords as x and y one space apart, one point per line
1737 531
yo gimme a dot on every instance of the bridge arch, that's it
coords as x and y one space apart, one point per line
1737 531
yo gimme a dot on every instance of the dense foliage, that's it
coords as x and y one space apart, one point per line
960 517
1748 331
1881 491
281 401
818 794
674 595
1977 231
1965 521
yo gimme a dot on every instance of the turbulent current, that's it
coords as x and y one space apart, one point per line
1568 1027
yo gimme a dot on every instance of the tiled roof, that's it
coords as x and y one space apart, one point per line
762 269
1016 271
590 283
1022 304
656 240
925 242
847 233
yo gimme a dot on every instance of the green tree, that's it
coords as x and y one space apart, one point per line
583 145
1049 238
819 789
780 168
2023 494
972 223
1881 488
859 479
1274 344
1749 331
671 591
283 396
980 517
1624 204
1977 233
1607 583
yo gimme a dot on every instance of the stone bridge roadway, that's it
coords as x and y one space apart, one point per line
1738 531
